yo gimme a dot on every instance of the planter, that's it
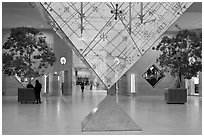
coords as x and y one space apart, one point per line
26 95
176 96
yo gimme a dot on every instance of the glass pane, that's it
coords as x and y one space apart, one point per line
111 37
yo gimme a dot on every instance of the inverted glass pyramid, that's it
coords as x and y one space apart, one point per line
111 37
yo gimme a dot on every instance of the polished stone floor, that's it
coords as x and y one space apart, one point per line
62 115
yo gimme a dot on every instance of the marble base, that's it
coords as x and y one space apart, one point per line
108 116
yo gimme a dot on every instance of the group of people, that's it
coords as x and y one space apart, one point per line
37 89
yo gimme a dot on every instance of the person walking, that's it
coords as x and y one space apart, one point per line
38 88
91 85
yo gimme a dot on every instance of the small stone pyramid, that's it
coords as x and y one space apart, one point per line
108 116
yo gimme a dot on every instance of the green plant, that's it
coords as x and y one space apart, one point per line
26 53
181 55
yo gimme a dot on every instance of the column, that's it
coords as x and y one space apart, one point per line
47 84
53 84
43 80
67 87
123 85
200 84
112 90
188 86
4 84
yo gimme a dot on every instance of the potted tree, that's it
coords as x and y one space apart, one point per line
181 56
26 53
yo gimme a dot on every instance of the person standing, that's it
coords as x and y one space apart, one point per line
91 85
30 85
82 86
38 88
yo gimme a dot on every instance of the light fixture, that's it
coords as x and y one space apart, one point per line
63 60
103 36
116 11
26 79
45 83
132 79
117 60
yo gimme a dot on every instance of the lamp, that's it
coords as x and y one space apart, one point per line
63 60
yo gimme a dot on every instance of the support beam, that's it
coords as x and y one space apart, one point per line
67 85
112 91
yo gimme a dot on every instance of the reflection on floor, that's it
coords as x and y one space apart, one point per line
59 115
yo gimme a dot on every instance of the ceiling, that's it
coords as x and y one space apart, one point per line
23 14
191 19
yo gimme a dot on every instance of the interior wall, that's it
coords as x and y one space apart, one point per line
146 61
142 86
11 85
62 50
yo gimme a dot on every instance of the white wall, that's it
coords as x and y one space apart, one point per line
142 86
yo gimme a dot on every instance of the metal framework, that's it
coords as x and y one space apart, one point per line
111 37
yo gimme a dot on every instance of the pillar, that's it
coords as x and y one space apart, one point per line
112 91
200 84
189 85
43 80
4 84
123 86
47 84
67 86
53 84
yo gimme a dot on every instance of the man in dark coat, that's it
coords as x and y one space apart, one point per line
38 88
